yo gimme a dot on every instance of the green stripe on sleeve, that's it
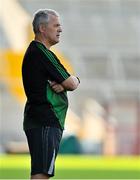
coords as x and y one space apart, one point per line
54 61
58 65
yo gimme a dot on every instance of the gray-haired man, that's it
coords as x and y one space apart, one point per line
46 83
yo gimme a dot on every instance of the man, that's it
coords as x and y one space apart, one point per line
46 83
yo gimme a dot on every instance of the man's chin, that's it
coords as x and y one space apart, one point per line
57 41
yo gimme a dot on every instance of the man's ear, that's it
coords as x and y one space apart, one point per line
42 28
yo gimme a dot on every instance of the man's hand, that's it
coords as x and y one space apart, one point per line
56 87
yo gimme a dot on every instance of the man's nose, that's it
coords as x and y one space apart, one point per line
60 29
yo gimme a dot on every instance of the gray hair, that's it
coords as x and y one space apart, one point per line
42 17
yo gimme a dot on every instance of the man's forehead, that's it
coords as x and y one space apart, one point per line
53 18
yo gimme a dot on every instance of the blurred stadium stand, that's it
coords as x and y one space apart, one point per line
101 39
4 42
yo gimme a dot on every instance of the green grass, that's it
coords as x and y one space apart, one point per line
75 167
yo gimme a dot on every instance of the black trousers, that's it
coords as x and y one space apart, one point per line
43 146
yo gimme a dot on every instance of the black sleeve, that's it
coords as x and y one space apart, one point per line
54 68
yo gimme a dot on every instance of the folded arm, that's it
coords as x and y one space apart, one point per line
70 84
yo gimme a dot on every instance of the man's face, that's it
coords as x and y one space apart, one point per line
53 30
